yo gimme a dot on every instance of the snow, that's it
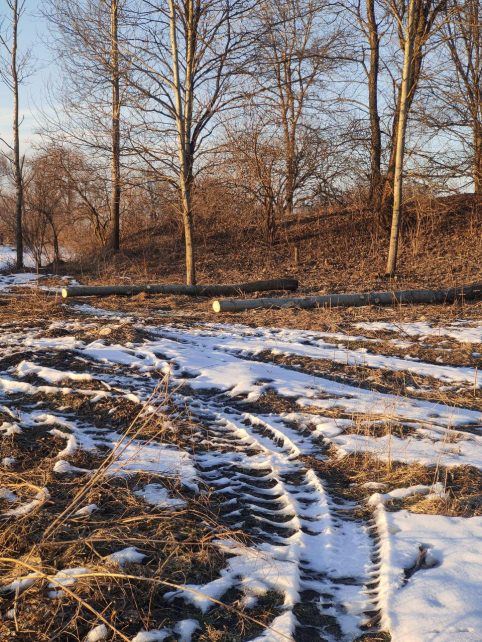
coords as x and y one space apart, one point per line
20 585
129 555
51 375
185 629
90 310
285 344
24 509
8 258
86 510
23 279
461 331
436 604
429 446
157 495
401 493
63 467
68 576
10 428
210 366
152 457
249 456
152 636
71 446
8 495
97 634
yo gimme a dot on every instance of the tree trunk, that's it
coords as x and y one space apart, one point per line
187 217
477 172
400 143
194 290
17 164
470 292
115 171
290 172
183 124
375 132
270 219
415 70
56 249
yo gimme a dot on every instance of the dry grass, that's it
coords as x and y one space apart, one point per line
179 546
339 249
347 476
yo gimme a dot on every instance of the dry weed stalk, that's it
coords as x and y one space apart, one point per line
126 577
33 562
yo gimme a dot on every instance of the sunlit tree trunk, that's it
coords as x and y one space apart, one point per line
400 141
17 162
184 109
116 108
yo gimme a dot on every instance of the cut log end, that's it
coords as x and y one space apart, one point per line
65 293
216 306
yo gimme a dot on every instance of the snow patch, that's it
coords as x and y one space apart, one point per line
157 495
441 603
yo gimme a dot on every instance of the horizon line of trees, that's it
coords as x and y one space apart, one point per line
288 104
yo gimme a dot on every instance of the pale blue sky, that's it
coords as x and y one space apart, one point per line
34 37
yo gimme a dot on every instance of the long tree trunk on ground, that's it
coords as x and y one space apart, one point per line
17 163
400 141
471 292
375 132
116 107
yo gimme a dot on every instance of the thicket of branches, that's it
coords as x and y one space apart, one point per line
174 112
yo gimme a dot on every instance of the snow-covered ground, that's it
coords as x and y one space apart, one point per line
9 279
310 545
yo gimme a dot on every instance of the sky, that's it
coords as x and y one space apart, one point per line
34 95
33 36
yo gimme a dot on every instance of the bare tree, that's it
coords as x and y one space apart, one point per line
92 91
116 110
297 50
415 22
464 31
256 166
185 76
369 22
13 73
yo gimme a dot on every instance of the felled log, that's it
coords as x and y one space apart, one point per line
449 295
190 290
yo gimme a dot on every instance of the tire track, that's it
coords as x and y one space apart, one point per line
271 495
